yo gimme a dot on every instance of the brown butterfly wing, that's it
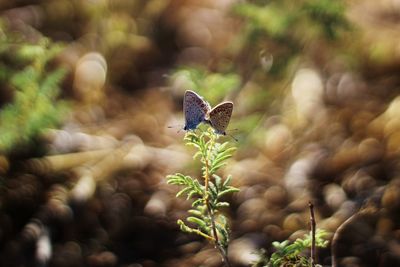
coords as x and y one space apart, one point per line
220 116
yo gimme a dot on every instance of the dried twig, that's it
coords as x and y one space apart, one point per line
312 221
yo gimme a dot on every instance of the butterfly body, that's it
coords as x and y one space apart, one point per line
195 109
220 116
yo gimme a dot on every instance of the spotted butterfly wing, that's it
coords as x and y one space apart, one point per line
220 116
195 109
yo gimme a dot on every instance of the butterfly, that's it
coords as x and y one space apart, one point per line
220 116
195 109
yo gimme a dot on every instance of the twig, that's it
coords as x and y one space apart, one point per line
336 238
312 220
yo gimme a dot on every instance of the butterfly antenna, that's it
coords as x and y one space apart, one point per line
174 126
230 130
232 137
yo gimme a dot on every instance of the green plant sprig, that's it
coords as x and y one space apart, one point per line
207 193
28 74
292 254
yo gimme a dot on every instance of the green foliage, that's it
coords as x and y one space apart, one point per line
206 218
328 15
292 254
201 81
25 73
284 28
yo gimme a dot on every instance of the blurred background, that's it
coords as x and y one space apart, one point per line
89 88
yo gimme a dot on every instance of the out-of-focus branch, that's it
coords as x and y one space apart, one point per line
56 163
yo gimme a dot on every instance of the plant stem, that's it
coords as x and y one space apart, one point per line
207 153
210 211
312 220
221 249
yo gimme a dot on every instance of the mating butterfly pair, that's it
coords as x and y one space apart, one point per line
197 110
